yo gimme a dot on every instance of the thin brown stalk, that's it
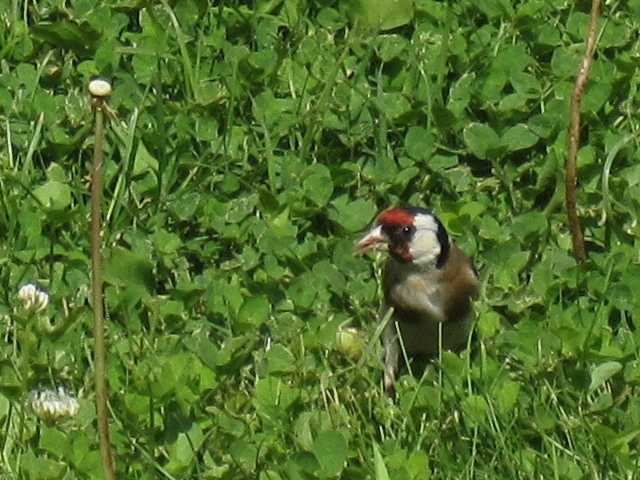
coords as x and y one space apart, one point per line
577 236
98 313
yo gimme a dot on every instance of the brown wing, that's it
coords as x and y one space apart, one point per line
460 273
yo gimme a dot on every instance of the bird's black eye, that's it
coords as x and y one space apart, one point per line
407 232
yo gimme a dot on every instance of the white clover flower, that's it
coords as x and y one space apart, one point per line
33 299
51 406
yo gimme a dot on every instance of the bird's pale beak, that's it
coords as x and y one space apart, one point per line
374 240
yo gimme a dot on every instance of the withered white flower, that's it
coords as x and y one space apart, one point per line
33 299
100 87
51 406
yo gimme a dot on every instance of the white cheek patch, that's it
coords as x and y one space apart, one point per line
425 246
426 222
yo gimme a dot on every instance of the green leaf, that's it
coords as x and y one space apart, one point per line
263 61
166 242
525 84
488 324
596 96
55 442
254 311
531 223
475 409
615 35
245 453
184 206
54 195
393 105
40 467
506 396
182 451
481 140
513 101
317 184
124 268
419 143
303 290
143 162
330 449
302 430
331 18
518 137
460 95
280 359
332 274
271 110
418 465
353 216
80 37
549 35
626 437
495 8
542 125
602 402
577 25
381 14
603 373
381 472
273 396
565 61
490 228
391 46
442 162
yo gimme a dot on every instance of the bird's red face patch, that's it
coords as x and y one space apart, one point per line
395 217
397 223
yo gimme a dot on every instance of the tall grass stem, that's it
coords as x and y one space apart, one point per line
96 284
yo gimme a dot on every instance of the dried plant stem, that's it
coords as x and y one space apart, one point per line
98 314
574 135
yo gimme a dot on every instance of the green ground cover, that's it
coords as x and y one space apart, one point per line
249 144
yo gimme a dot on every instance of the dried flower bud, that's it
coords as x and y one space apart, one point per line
99 87
33 299
51 406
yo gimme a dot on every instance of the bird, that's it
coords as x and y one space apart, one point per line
427 281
